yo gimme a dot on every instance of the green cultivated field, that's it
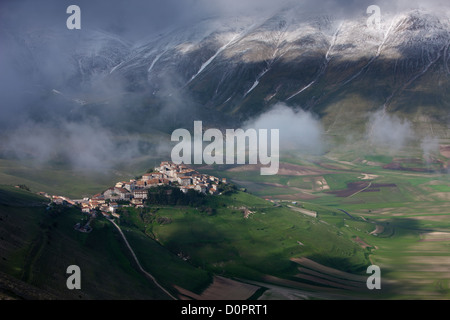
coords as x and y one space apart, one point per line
403 220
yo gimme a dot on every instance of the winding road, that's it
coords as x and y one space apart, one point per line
148 275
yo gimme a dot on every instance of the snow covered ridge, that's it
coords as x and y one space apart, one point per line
245 38
287 32
282 57
190 53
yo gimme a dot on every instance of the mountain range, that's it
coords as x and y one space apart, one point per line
237 68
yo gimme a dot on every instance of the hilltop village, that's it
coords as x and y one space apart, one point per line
135 192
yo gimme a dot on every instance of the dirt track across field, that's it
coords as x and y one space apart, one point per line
221 289
304 211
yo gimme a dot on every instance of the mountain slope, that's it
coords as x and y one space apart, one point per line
238 68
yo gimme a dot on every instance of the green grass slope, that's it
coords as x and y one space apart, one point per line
37 247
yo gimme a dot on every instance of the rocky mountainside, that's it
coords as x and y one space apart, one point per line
240 67
316 63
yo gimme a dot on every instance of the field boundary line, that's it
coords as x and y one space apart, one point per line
368 186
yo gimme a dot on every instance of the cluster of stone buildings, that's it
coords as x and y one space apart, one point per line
135 191
98 202
167 173
186 178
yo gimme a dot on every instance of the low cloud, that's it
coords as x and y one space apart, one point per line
430 147
389 131
85 146
299 130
